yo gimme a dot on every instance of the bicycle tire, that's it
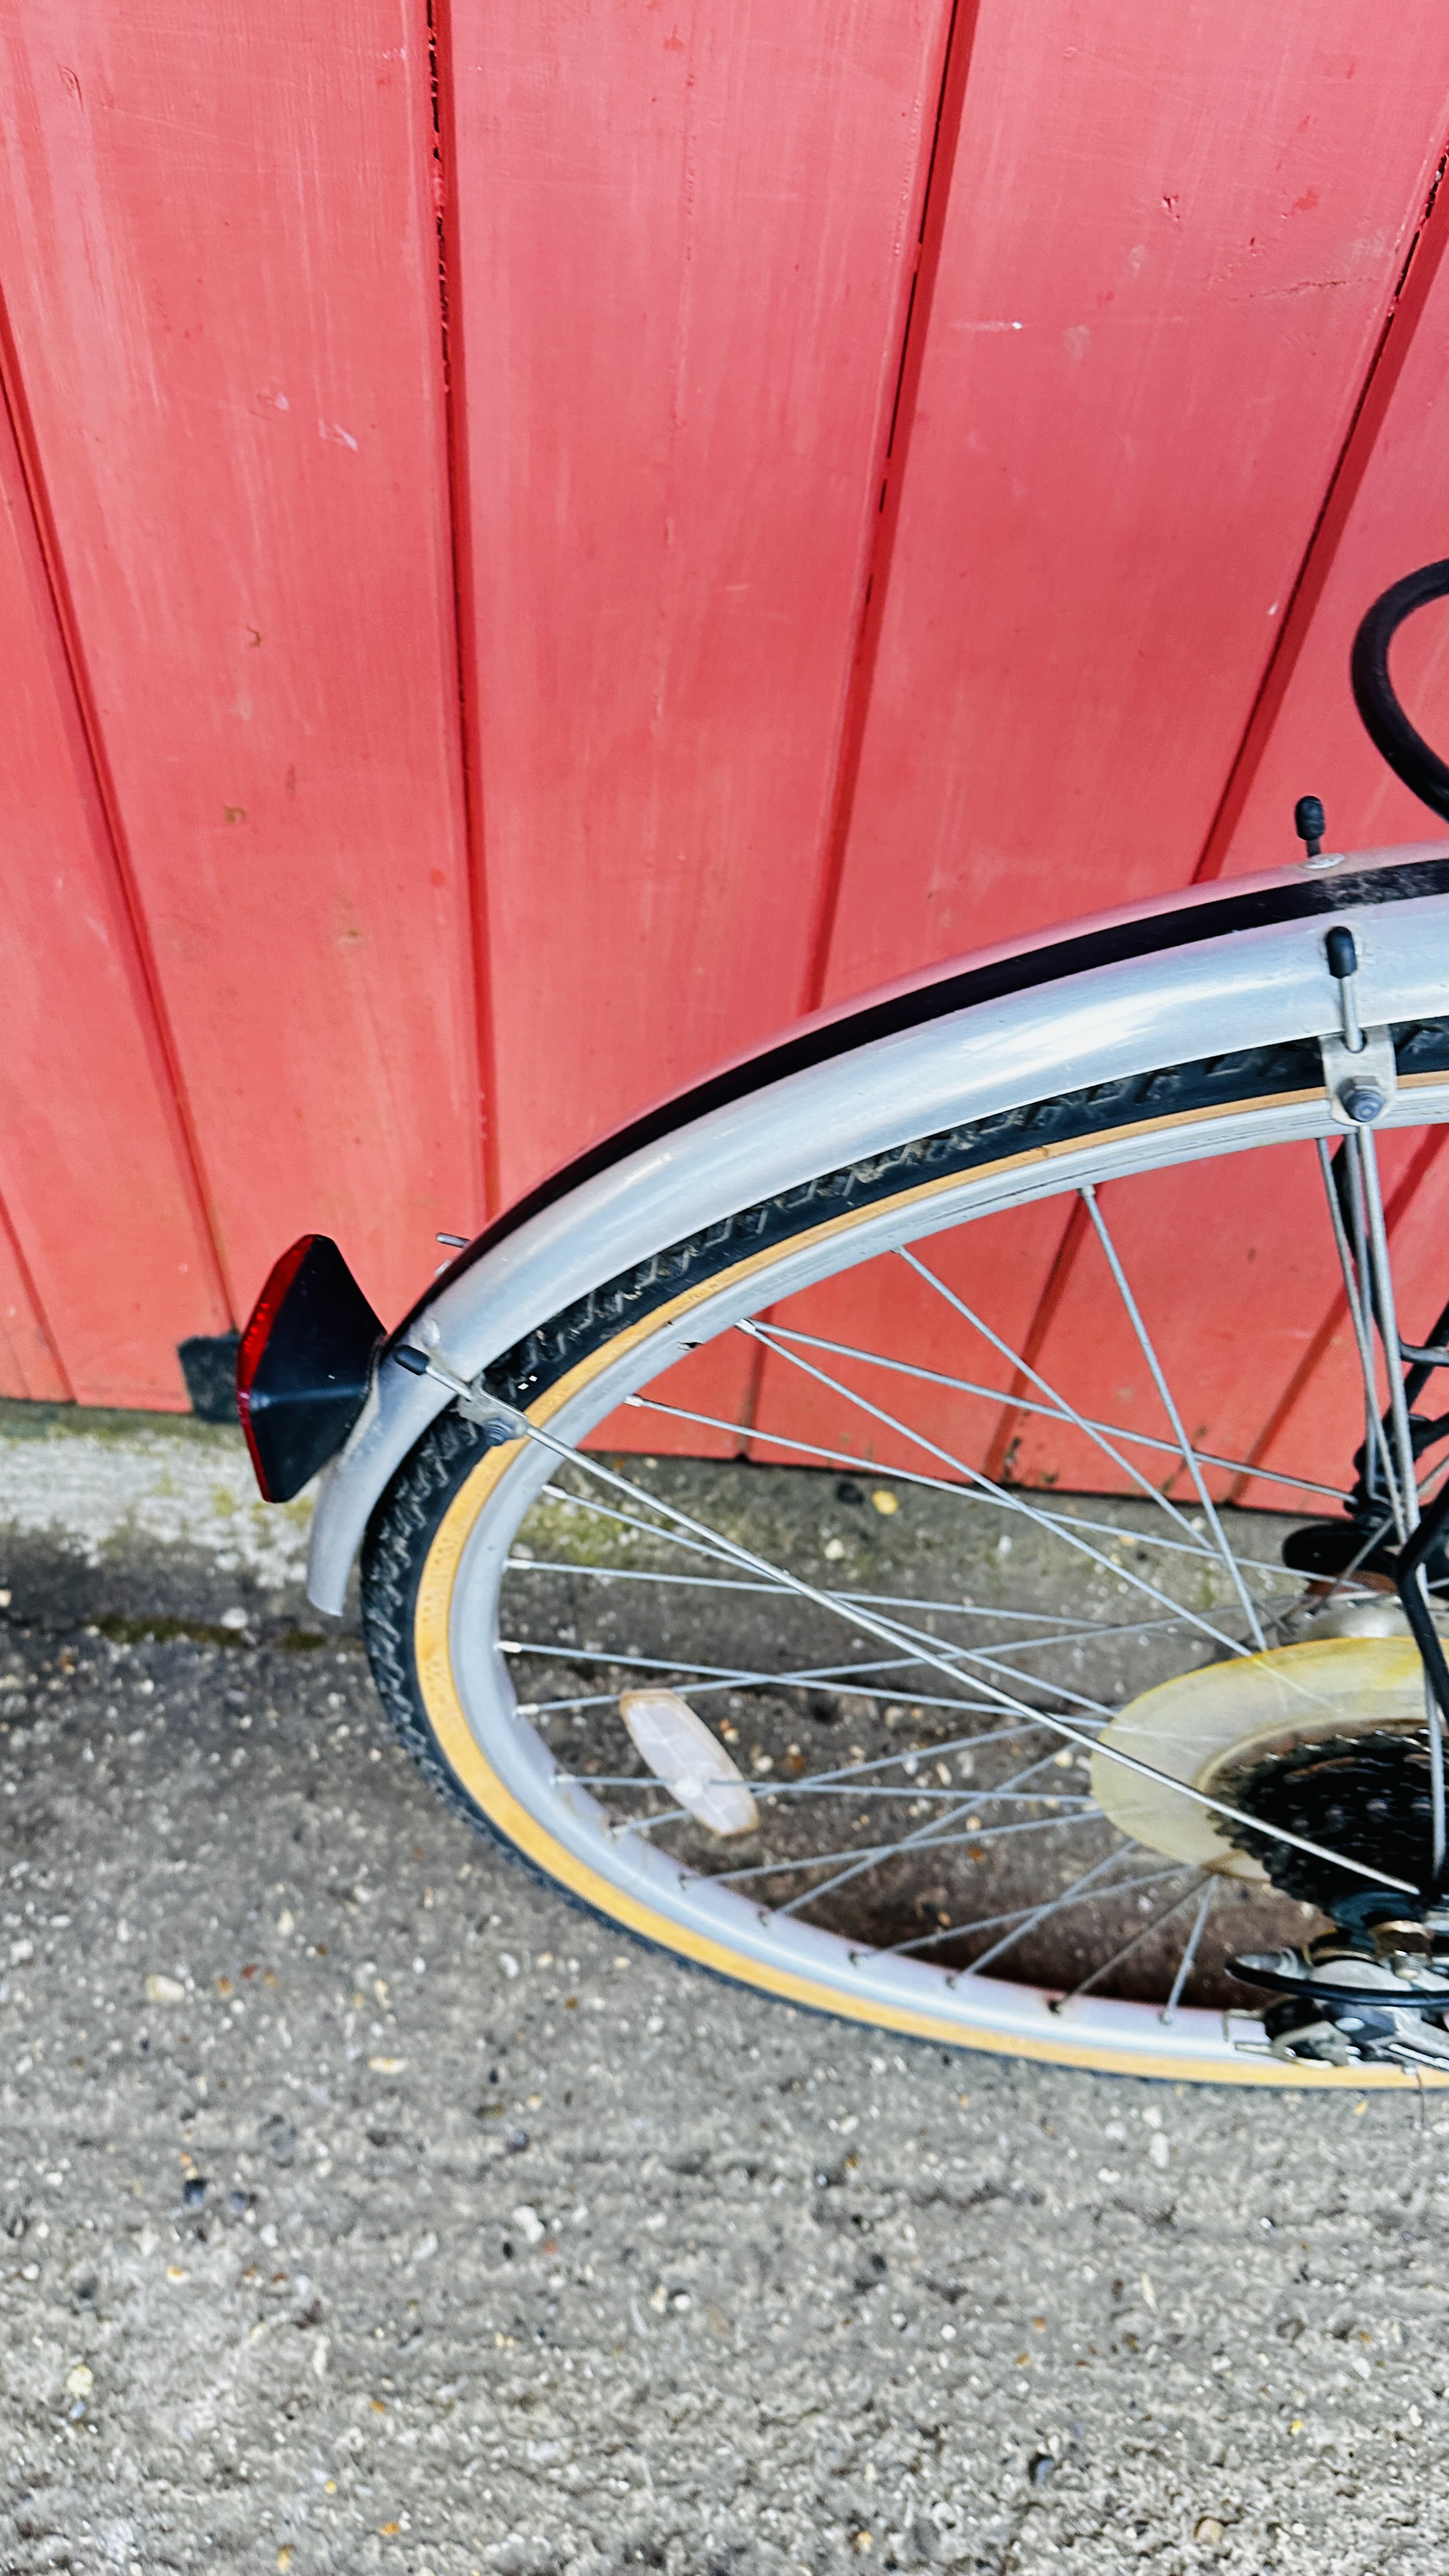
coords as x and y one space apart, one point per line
452 1478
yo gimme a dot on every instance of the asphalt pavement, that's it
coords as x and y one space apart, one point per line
365 2207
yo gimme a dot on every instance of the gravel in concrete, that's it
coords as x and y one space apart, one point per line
366 2208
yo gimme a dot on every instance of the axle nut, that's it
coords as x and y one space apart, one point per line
1364 1101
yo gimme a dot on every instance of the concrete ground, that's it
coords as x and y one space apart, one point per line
365 2208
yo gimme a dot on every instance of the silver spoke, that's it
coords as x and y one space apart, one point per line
926 1837
769 1791
639 1573
1064 1412
587 1464
870 1855
727 1674
990 1664
1057 1410
883 1853
917 1753
1003 1496
1068 1631
1059 1905
1087 1636
1179 1430
930 1752
703 1690
631 1520
1084 1987
841 1675
745 1432
1040 1913
1189 1953
1374 1444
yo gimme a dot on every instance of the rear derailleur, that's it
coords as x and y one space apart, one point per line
1373 1997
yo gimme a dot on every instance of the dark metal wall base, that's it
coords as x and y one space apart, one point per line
208 1364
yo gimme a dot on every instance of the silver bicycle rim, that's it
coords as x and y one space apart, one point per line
704 1916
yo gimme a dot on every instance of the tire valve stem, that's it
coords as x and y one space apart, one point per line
1342 957
1363 1095
1308 824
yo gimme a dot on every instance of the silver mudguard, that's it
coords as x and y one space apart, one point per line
1208 996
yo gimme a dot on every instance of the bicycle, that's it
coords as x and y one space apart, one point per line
1045 1811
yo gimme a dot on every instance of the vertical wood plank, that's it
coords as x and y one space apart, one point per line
28 1365
1399 518
1234 1271
1310 740
681 243
218 248
994 1266
92 1162
1171 241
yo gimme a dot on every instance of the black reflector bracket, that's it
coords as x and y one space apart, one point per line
304 1365
208 1364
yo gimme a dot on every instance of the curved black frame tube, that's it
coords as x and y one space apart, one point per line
1389 729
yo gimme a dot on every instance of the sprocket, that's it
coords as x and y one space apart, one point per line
1368 1796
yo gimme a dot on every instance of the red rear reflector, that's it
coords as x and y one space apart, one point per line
254 1342
304 1365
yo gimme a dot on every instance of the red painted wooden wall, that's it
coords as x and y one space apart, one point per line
539 542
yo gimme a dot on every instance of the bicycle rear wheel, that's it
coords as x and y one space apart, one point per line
980 1580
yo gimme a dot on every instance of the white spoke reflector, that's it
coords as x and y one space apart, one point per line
692 1764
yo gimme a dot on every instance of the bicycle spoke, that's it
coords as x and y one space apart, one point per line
1184 1965
1374 1443
725 1674
1069 1631
769 1791
1093 1636
1040 1914
887 1852
1064 1411
856 1772
1159 1378
926 1837
703 1690
631 1520
1084 1987
990 1664
745 1432
871 1855
1004 1496
1058 1410
1059 1905
641 1574
590 1465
